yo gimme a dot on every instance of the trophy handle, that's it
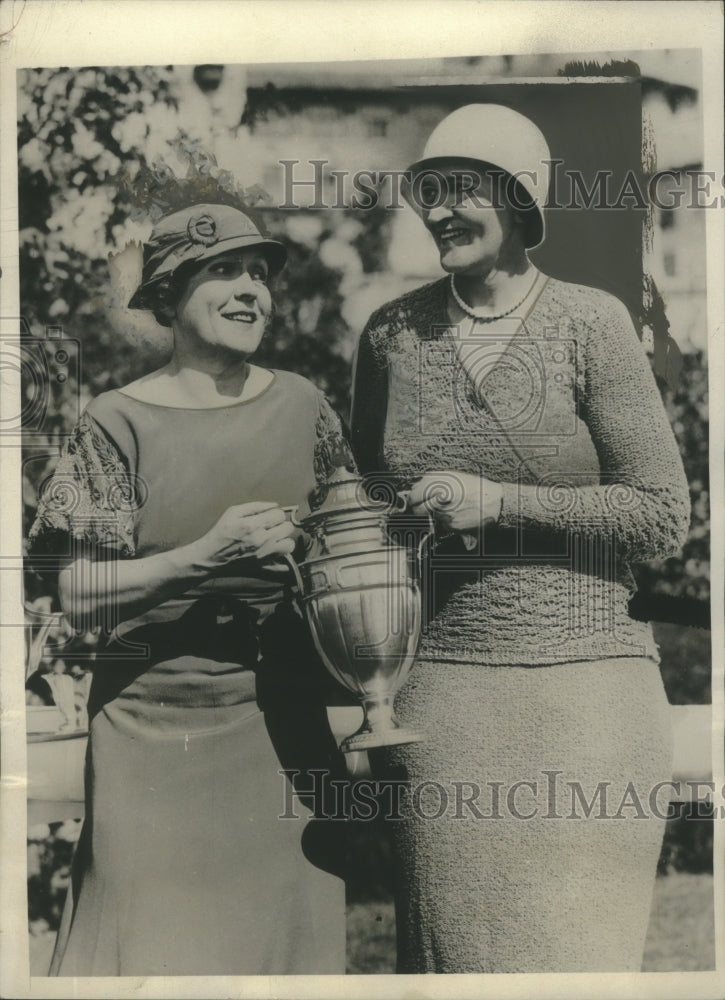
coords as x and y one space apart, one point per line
296 573
470 541
401 503
401 500
428 537
292 512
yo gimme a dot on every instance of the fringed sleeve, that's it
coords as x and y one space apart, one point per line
332 450
90 501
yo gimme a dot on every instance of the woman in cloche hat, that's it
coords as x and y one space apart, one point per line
521 411
169 507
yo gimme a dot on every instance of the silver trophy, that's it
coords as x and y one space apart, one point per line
359 586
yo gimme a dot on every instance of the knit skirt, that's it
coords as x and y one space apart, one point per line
532 824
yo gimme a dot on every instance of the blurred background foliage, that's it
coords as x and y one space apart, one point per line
88 175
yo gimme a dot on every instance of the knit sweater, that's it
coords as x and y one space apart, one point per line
569 420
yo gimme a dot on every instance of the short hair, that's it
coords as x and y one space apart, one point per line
167 292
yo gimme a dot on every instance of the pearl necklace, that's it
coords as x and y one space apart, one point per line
477 314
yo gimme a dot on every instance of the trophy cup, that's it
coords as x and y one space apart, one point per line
360 590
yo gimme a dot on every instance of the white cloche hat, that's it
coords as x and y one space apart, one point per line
497 136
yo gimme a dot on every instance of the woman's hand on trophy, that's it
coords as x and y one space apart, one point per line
258 530
458 501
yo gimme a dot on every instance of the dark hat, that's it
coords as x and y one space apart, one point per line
196 234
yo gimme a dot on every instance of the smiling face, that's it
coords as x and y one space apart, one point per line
474 229
225 304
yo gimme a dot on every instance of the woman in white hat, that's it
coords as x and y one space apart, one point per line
167 513
522 413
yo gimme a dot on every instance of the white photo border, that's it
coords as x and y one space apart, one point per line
164 32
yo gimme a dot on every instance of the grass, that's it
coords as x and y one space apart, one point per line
680 936
370 938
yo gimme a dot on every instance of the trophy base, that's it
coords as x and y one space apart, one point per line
369 740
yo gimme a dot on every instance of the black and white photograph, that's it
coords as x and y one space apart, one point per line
362 542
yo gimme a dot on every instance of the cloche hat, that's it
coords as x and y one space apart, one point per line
197 233
497 136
